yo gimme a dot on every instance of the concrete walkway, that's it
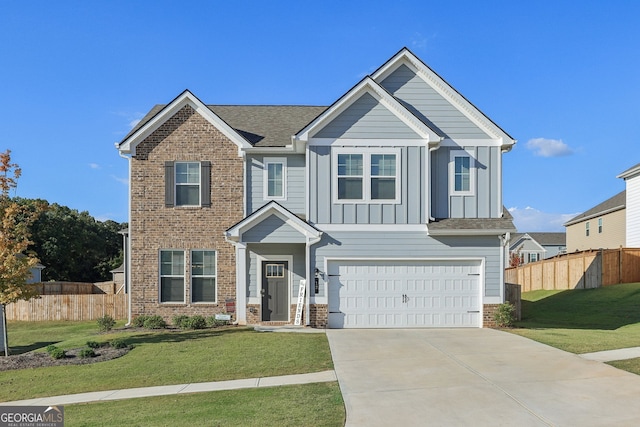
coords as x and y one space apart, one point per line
100 396
611 355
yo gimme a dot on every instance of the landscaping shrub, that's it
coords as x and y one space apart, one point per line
195 322
155 322
86 353
106 323
505 315
118 343
212 322
179 320
55 352
93 344
138 322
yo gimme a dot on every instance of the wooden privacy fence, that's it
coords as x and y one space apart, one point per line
68 307
580 270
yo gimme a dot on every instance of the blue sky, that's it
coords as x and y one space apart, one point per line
559 76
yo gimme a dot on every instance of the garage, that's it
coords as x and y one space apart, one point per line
404 293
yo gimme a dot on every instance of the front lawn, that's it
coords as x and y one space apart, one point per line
165 357
298 405
584 321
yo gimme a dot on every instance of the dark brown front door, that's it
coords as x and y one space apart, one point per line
275 291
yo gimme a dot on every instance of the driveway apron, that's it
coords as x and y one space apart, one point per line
475 377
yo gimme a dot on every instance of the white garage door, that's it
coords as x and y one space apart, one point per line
404 293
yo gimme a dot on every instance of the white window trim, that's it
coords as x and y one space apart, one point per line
191 276
175 184
265 177
184 276
366 174
452 170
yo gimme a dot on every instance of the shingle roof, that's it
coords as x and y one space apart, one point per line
447 225
614 203
261 125
545 238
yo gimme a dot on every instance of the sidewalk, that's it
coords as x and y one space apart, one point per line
316 377
610 355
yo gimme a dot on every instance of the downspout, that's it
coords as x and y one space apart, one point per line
127 263
504 244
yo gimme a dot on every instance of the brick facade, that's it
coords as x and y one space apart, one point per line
488 319
186 136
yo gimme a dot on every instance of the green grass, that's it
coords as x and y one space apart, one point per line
300 405
168 357
583 321
27 336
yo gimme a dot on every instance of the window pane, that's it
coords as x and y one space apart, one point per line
187 195
383 165
203 263
350 188
383 188
462 175
203 289
275 187
350 164
188 173
172 289
172 263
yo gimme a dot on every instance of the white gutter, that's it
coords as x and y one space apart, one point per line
127 263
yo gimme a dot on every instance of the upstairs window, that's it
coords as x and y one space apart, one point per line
368 175
350 177
275 178
586 229
461 173
383 176
599 225
187 184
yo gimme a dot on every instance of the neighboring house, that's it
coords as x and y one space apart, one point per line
601 227
632 215
36 274
386 204
532 247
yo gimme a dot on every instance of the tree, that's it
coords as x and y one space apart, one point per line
15 259
515 258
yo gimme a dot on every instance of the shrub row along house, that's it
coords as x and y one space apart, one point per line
386 205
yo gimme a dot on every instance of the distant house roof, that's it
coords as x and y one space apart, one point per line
260 125
544 238
118 269
631 172
613 204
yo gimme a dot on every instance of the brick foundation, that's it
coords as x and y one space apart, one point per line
489 311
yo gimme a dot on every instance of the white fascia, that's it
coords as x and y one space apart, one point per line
129 145
437 83
368 85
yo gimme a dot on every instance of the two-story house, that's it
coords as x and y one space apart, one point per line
387 205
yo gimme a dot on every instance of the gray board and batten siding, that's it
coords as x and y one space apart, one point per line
411 245
427 104
295 183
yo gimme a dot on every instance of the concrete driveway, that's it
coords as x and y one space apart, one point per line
475 377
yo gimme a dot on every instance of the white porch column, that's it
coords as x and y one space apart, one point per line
241 283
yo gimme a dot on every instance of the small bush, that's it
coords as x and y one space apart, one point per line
106 323
179 320
505 315
118 343
195 322
55 352
155 322
93 344
138 322
212 322
86 353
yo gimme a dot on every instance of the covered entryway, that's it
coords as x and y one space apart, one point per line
385 293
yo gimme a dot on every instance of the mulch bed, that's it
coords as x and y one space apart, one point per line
38 360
